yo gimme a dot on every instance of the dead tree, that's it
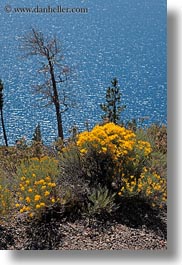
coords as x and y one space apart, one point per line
55 73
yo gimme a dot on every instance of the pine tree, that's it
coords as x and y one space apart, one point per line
1 112
112 107
37 137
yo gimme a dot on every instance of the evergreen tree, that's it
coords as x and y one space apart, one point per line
37 137
112 107
1 112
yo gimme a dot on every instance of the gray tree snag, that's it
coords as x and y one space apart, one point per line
55 73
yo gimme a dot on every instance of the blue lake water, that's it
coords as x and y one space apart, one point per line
123 38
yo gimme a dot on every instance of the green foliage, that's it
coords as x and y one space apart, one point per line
112 107
159 136
74 185
101 201
37 137
73 133
81 177
97 167
70 163
21 143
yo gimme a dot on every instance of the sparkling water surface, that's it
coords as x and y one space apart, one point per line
123 38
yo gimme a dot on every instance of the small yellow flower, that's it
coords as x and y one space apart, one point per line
28 200
23 178
22 188
33 175
30 190
53 200
133 183
31 215
27 182
83 151
3 203
47 193
47 178
37 206
24 208
27 208
104 149
37 197
43 187
52 184
17 205
42 181
42 204
149 181
148 192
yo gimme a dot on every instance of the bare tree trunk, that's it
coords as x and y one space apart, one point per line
56 102
3 126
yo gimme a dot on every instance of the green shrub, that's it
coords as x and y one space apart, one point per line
74 186
159 135
101 202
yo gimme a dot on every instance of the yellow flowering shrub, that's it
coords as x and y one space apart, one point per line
126 152
130 156
36 185
151 187
6 198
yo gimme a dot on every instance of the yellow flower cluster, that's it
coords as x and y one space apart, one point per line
35 194
36 189
150 186
144 146
5 199
111 138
